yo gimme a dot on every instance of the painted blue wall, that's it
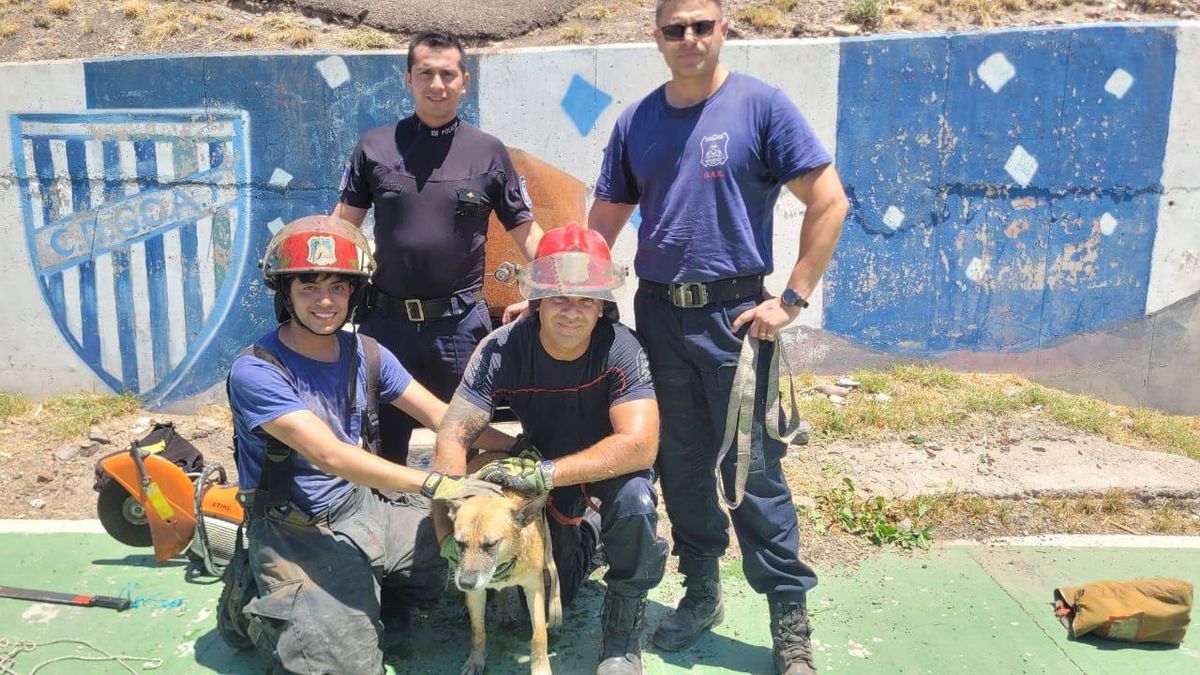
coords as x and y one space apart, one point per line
922 134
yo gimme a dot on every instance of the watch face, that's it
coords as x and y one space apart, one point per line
791 298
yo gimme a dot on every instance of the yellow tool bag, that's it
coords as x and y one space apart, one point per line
1142 610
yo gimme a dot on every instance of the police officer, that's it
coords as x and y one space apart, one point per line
580 386
433 180
321 541
705 156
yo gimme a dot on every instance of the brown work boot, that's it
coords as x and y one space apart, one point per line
699 610
790 635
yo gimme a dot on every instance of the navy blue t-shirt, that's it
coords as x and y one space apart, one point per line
707 178
260 393
563 406
433 190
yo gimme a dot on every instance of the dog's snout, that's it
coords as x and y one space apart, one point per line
470 580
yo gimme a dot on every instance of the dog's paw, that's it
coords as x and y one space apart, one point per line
508 607
472 667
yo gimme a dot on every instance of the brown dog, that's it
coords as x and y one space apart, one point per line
504 542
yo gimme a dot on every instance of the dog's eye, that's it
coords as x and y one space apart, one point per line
489 545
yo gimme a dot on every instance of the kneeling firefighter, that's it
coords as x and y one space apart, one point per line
328 523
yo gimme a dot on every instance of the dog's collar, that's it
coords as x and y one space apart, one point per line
504 569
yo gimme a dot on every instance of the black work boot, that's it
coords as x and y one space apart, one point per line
621 646
699 610
790 635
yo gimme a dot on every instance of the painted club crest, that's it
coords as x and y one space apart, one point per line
136 224
714 149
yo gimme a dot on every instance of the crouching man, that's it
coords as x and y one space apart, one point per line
329 522
580 385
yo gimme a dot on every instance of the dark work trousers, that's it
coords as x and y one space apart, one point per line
636 554
693 357
435 352
320 579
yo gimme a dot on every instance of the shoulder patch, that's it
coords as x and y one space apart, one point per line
525 192
342 184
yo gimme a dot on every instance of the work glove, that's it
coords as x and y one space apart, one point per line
450 550
442 488
524 475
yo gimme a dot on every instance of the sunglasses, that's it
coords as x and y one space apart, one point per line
675 32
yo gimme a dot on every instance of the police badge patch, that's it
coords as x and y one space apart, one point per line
714 150
342 184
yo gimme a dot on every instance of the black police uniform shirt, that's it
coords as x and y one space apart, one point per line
432 190
563 406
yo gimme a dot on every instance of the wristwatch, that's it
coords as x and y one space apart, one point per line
790 298
547 467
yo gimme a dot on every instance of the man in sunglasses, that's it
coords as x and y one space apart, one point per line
705 157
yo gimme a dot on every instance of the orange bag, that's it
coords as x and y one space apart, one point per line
1142 610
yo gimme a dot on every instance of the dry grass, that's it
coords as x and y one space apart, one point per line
929 398
785 5
367 38
245 33
982 12
760 16
7 30
286 31
595 12
59 7
159 30
11 405
42 20
135 9
571 34
866 13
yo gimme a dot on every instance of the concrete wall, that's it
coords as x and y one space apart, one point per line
1013 192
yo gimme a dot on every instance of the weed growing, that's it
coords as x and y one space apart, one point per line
72 415
12 405
883 522
866 13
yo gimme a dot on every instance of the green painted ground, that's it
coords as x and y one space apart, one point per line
958 609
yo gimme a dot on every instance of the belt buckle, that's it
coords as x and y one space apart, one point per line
414 310
689 295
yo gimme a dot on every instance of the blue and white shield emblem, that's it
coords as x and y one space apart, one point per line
714 150
137 226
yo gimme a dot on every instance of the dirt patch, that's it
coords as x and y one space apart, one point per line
40 483
1028 468
33 30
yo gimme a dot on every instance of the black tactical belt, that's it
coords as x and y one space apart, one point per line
417 310
701 294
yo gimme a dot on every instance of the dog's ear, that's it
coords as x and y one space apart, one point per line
529 510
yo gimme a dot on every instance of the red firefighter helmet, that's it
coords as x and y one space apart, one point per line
572 260
317 244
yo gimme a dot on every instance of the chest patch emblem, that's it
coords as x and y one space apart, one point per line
321 251
714 149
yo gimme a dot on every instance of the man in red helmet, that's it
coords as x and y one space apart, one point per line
304 397
580 385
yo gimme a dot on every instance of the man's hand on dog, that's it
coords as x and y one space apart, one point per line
442 488
524 475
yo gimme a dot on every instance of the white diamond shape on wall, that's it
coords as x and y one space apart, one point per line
1119 83
1108 224
892 218
1021 166
976 270
996 71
